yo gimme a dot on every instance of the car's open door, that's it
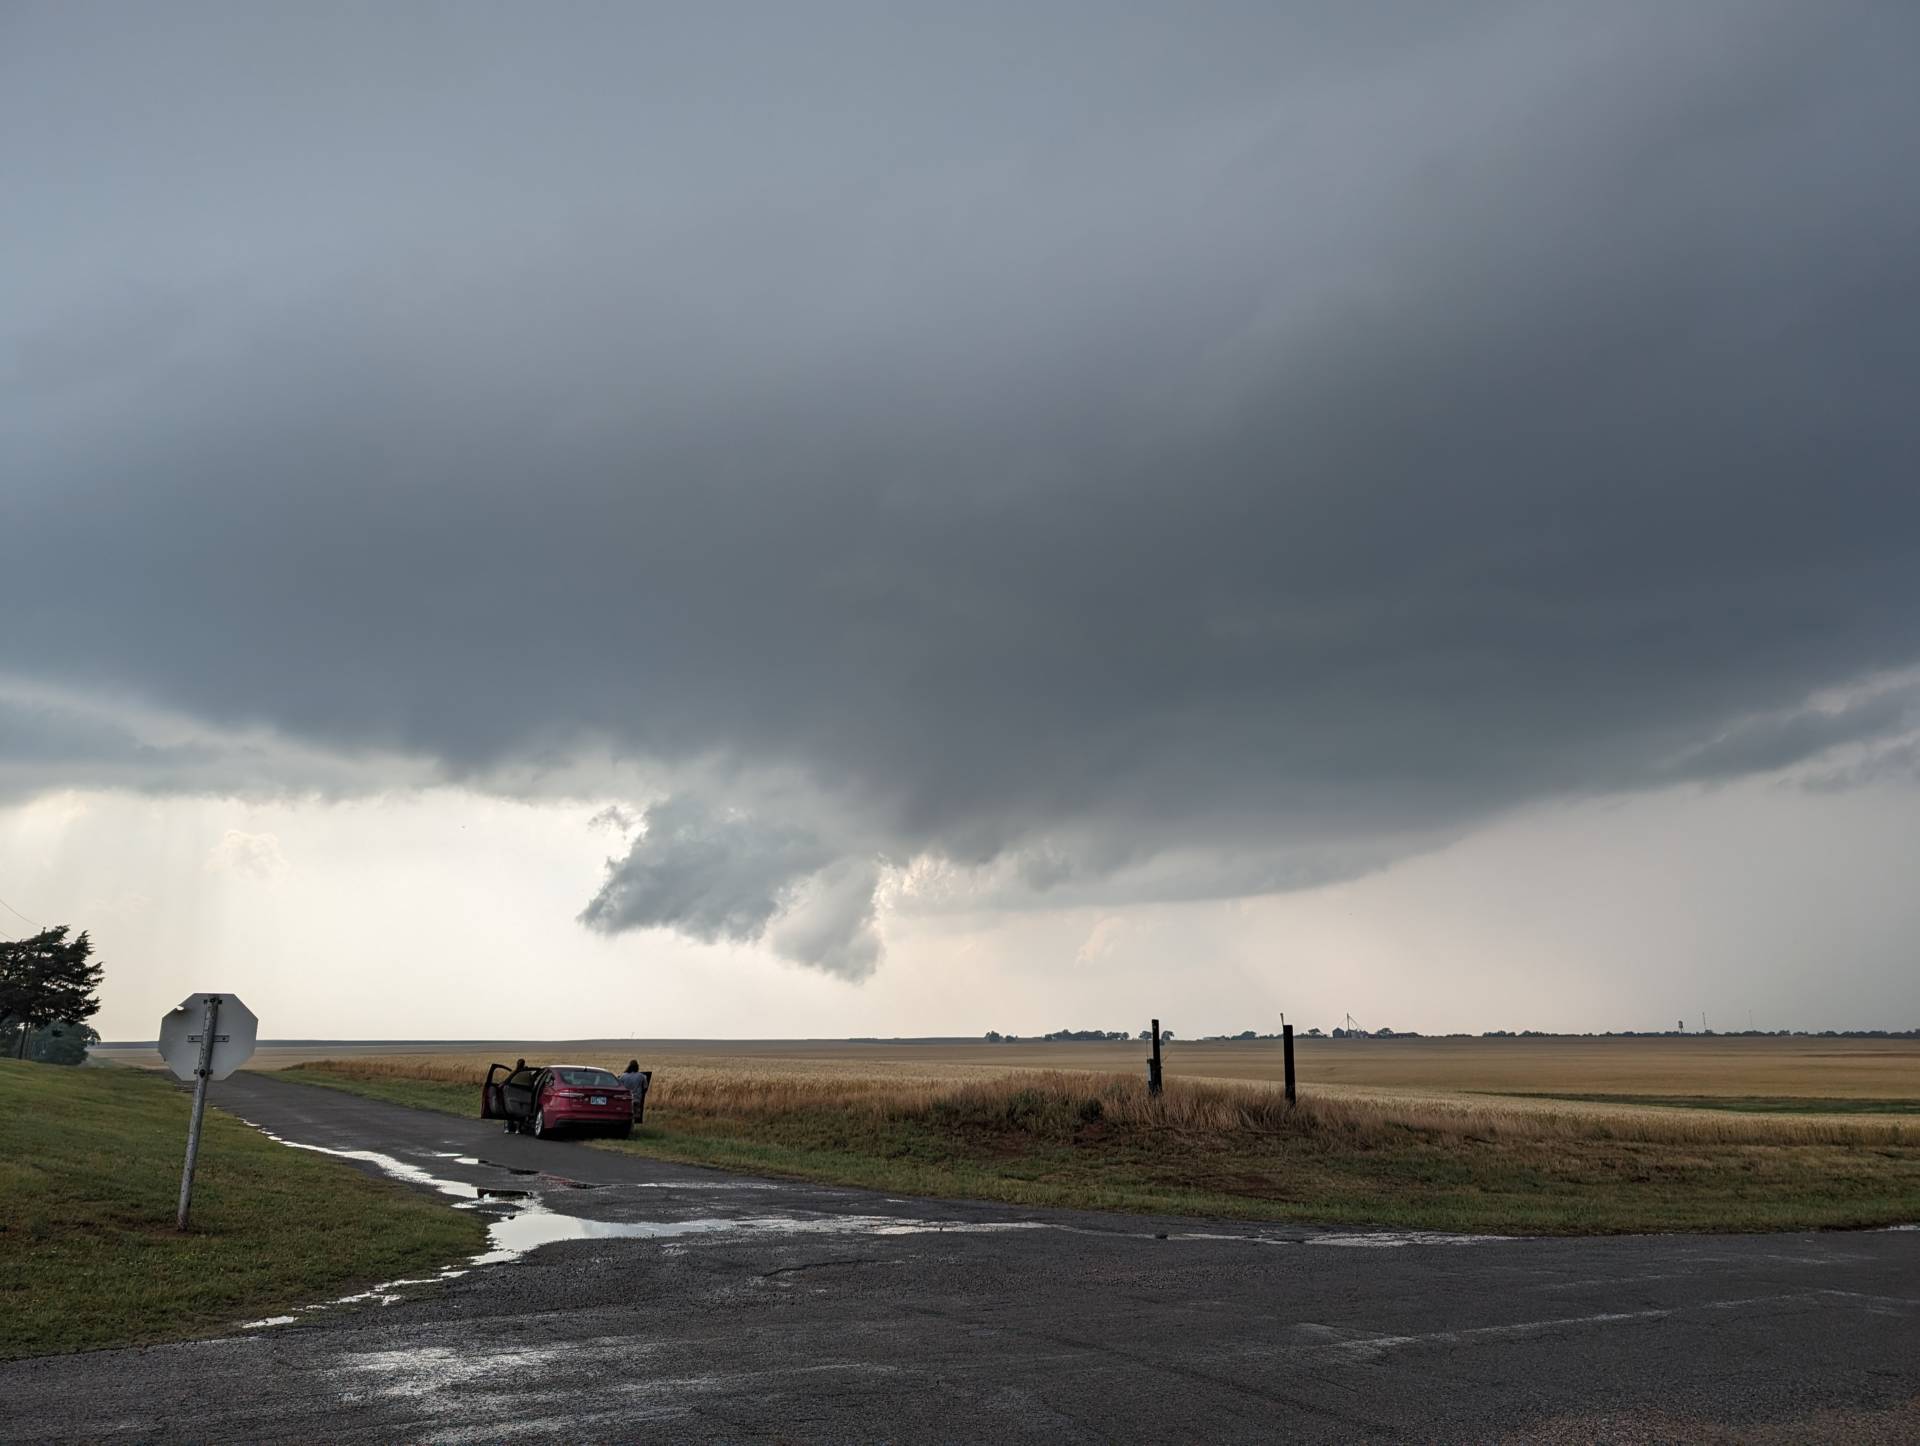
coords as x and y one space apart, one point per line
516 1095
493 1105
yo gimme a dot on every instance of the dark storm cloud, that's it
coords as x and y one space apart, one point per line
1896 763
1050 440
39 740
1757 745
52 740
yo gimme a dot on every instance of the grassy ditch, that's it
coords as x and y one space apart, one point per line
1099 1142
89 1180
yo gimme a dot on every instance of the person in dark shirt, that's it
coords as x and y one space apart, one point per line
516 1096
635 1079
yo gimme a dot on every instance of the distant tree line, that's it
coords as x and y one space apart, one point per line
994 1036
1627 1034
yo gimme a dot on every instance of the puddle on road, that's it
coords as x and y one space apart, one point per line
386 1164
517 1234
720 1185
528 1224
1352 1239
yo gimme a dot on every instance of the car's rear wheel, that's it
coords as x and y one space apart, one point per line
623 1133
539 1124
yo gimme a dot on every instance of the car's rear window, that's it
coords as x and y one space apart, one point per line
597 1079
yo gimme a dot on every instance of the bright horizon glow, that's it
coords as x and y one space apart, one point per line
450 915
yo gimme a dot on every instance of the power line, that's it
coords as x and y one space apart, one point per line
11 910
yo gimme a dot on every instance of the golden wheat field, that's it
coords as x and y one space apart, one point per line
1200 1107
1481 1077
972 1120
1725 1066
1688 1134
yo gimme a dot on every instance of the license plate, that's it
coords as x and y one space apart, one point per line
598 1100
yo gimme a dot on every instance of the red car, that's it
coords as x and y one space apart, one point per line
538 1099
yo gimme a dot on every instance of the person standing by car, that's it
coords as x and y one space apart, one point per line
518 1094
635 1079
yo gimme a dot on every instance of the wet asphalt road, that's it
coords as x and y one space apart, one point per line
714 1307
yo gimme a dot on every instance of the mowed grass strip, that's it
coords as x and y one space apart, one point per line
89 1181
1238 1151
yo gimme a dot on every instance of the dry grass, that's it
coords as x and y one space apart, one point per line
688 1073
1721 1067
1215 1109
915 1123
749 1091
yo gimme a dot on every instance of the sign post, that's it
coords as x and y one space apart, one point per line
227 1029
200 1073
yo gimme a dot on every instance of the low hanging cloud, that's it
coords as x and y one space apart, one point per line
1264 443
720 875
831 922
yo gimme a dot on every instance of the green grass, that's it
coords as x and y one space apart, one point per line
1064 1153
1527 1187
1741 1104
89 1181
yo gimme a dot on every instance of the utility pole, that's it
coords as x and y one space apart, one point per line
1286 1044
1153 1063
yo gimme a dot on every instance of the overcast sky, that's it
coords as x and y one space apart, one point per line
831 518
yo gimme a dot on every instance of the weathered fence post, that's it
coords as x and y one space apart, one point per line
1153 1062
1286 1043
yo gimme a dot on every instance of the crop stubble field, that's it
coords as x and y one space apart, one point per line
1850 1076
1559 1135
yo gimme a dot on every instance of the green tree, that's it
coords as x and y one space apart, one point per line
61 1042
47 978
